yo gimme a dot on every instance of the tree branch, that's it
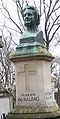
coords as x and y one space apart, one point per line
54 33
11 18
52 25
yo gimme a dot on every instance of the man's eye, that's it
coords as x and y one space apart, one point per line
24 15
27 15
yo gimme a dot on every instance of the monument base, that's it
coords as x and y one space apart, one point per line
43 115
34 97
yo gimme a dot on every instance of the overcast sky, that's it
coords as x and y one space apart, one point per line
12 10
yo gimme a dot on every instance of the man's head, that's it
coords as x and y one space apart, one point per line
31 16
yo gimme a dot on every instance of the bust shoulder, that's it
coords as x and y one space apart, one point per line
27 37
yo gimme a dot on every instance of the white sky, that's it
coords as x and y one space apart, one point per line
12 10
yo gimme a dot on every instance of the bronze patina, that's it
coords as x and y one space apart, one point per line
31 21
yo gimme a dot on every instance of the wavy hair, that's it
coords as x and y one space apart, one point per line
35 11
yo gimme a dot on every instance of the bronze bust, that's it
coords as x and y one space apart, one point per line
31 18
31 21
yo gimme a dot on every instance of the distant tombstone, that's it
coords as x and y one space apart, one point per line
6 101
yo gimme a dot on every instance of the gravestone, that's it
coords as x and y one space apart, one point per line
6 101
34 96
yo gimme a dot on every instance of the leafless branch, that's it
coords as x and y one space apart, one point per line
11 18
54 33
53 25
20 18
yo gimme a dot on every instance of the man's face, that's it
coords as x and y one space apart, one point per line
29 18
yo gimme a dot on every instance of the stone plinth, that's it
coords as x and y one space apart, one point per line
34 97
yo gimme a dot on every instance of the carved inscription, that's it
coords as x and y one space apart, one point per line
48 95
28 97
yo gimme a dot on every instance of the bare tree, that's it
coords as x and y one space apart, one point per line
52 20
52 17
19 12
56 72
6 67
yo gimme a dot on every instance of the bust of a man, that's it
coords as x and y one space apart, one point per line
31 22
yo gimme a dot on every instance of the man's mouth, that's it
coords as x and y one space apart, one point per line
28 21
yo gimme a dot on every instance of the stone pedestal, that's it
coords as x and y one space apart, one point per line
34 97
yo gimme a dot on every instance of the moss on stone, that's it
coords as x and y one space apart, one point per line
46 115
30 51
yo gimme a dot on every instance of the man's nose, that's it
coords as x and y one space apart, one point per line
26 16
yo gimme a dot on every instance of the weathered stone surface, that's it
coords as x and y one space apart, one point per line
33 83
46 115
34 98
31 52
